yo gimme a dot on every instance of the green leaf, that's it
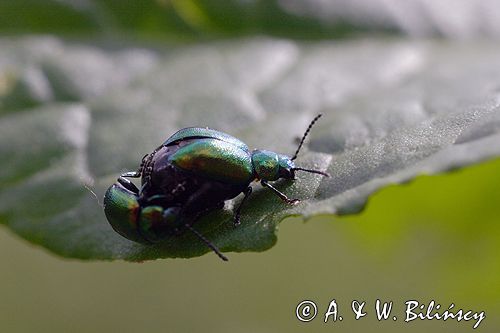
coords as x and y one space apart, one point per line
208 19
76 114
175 19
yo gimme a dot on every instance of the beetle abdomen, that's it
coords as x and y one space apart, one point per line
215 159
122 210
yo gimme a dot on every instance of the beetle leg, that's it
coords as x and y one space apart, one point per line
154 197
138 173
247 192
196 201
207 242
128 185
131 174
280 194
193 204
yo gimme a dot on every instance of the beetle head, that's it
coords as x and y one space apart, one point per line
287 168
271 166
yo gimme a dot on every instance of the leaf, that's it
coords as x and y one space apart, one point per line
175 19
194 19
76 114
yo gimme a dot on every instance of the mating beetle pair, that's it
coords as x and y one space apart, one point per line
192 172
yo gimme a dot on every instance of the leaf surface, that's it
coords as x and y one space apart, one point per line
76 114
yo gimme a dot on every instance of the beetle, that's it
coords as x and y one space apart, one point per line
194 171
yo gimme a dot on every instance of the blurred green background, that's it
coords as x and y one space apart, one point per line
435 238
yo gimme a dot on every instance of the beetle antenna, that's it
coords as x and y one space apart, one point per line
93 194
207 242
312 171
305 135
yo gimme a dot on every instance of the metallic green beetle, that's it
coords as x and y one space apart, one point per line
192 172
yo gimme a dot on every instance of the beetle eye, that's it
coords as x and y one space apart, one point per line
287 173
